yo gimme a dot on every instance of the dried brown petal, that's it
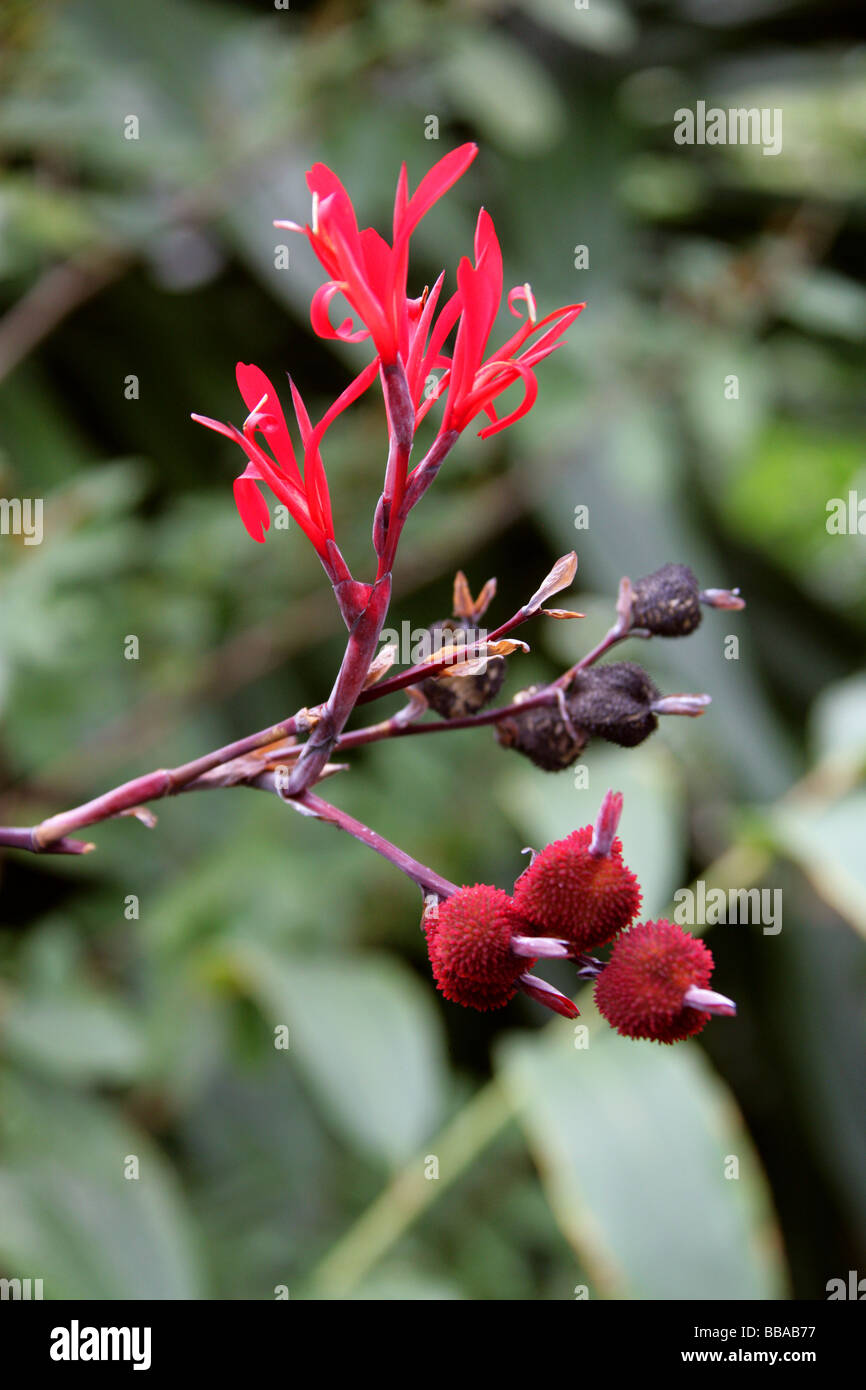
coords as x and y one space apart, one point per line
560 577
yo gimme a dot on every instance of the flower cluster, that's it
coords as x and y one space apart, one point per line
576 895
409 336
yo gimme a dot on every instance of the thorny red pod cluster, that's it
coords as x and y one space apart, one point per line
577 894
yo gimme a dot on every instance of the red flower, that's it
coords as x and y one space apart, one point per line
370 274
305 495
655 984
474 383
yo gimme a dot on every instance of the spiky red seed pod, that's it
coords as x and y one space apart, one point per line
582 897
640 991
469 944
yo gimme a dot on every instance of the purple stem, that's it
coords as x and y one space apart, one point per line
18 838
152 786
374 733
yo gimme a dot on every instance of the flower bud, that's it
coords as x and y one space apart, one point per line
667 603
655 969
614 702
541 734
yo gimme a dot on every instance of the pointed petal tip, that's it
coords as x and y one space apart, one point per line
541 947
691 706
708 1001
606 824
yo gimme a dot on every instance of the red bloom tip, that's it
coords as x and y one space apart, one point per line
469 944
571 892
655 968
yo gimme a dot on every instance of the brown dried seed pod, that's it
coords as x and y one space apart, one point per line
614 702
455 696
542 735
667 602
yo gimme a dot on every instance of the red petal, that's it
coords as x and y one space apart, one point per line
529 398
436 181
480 287
315 481
401 198
253 385
320 317
217 426
251 505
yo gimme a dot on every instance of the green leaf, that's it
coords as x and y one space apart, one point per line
79 1037
494 81
838 720
70 1216
602 26
827 843
634 1142
366 1036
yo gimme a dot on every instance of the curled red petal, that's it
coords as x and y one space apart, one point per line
529 398
562 320
321 320
360 293
525 293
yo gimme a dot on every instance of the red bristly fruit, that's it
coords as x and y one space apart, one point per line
578 888
655 984
481 954
469 943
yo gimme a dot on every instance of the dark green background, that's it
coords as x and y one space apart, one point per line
259 1168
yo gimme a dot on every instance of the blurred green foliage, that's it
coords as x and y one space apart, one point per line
152 1037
